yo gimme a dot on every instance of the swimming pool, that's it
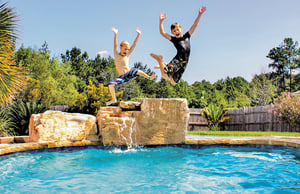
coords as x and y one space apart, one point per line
176 169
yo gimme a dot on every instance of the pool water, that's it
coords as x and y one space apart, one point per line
153 170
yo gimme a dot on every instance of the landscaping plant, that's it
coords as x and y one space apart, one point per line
287 107
214 115
19 113
5 124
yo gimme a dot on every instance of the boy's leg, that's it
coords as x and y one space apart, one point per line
113 95
161 66
141 73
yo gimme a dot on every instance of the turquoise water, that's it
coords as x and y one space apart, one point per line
153 170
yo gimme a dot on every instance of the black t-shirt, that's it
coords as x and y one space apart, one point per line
183 47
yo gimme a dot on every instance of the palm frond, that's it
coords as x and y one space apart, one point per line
11 76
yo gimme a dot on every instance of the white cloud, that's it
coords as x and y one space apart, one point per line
103 53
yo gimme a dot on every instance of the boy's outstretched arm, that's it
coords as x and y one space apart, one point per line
161 26
115 40
135 41
201 11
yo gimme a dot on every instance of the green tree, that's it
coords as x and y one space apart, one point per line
147 87
284 60
262 90
183 90
165 89
204 94
49 82
79 66
232 92
11 76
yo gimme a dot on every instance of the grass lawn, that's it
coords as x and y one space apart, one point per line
243 133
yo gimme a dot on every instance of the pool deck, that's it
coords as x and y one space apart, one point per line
20 144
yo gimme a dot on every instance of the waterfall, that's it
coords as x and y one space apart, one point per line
127 132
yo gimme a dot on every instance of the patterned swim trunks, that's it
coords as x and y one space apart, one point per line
175 69
132 73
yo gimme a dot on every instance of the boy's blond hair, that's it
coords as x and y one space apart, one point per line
175 25
125 43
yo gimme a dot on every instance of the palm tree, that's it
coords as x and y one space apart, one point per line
11 76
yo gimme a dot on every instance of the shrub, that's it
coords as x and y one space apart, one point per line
93 98
287 107
214 115
5 124
19 114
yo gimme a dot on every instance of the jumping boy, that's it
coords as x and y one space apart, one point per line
121 62
174 70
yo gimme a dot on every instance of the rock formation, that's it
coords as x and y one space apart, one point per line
157 122
61 126
145 122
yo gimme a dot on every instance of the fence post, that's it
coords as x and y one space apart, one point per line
244 119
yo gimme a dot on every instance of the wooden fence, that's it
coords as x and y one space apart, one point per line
244 119
59 107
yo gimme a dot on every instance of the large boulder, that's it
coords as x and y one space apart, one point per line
157 122
62 126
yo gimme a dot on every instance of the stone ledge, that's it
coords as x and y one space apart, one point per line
15 139
130 106
6 140
257 141
12 148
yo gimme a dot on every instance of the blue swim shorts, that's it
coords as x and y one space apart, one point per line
132 73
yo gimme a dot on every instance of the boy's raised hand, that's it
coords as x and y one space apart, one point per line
138 31
202 10
163 16
114 30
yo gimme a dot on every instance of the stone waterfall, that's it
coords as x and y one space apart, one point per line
156 122
149 121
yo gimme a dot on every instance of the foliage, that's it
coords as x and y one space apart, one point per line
287 107
6 126
93 98
99 70
11 76
49 82
73 80
214 115
19 114
262 90
284 60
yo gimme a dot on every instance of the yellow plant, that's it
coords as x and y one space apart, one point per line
11 76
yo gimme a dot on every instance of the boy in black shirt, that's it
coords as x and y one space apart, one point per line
174 70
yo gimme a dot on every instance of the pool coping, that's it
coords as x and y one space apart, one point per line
22 143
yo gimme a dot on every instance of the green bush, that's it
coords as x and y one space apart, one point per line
19 114
214 115
5 124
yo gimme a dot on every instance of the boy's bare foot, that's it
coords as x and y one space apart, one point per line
156 57
110 102
152 77
156 67
172 81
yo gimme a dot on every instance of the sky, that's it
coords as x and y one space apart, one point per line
232 38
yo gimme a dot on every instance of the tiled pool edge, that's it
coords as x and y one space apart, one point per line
8 148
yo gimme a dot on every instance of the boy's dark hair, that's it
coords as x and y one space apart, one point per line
174 25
